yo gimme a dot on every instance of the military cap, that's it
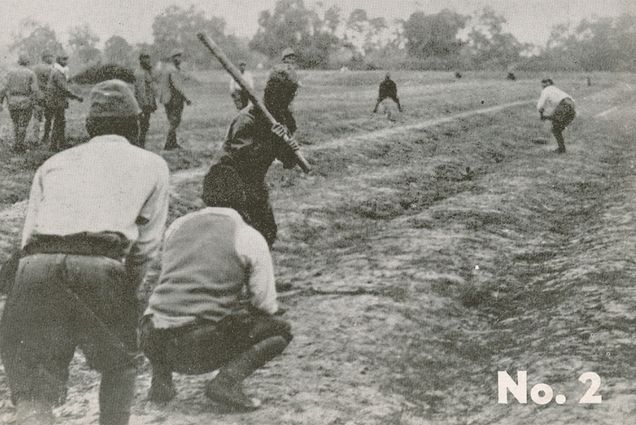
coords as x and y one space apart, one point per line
112 99
288 52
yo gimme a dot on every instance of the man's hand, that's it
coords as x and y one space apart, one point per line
279 130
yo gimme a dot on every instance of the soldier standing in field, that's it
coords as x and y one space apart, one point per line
239 96
56 98
252 144
21 91
557 106
388 89
40 111
145 95
94 222
172 95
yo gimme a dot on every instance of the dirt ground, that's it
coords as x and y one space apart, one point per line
425 255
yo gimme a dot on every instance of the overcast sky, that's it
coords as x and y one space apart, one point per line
528 20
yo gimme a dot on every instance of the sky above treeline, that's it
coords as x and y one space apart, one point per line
528 20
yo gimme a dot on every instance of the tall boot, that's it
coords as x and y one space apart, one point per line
33 413
226 387
116 393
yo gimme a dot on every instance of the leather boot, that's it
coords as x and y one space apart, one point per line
162 388
33 413
226 387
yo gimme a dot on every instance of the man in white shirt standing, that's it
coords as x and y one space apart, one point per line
239 96
557 106
95 220
215 303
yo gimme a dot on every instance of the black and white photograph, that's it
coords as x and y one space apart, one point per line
318 212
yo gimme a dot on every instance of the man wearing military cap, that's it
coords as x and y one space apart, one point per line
56 98
145 95
288 57
20 90
40 111
173 96
94 221
252 145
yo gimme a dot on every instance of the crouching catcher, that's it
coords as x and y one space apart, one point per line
215 305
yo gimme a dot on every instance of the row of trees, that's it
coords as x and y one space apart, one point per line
324 38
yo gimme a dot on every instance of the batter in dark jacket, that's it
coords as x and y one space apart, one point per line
387 89
252 144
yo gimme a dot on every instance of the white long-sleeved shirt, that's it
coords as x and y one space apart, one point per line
210 258
247 76
105 184
550 98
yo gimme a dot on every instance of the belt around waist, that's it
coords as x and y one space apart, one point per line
106 244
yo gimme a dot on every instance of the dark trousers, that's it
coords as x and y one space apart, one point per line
60 302
58 118
206 346
562 116
394 98
257 211
144 125
41 112
21 118
174 111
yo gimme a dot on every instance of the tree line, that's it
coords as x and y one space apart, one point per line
324 38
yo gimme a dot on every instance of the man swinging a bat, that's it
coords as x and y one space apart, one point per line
252 144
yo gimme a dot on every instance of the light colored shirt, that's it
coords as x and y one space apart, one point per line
172 84
105 184
247 76
550 98
214 265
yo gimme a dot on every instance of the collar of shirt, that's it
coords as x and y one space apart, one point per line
108 138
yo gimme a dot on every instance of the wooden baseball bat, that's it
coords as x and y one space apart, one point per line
236 74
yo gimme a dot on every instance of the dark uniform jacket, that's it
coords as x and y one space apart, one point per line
387 89
251 147
42 72
57 90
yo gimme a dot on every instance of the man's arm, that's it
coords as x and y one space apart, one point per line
151 224
176 80
35 197
251 245
59 80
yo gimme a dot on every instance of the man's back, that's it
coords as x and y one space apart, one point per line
42 72
21 87
101 185
388 88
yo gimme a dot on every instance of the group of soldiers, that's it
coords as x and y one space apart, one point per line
95 221
41 93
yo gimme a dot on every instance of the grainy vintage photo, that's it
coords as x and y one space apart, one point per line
302 212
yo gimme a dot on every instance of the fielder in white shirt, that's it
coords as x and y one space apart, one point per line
557 106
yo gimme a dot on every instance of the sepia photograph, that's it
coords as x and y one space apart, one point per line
318 212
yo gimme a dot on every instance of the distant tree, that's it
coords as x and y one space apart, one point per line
33 39
488 45
83 42
434 35
177 27
291 24
603 44
117 50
